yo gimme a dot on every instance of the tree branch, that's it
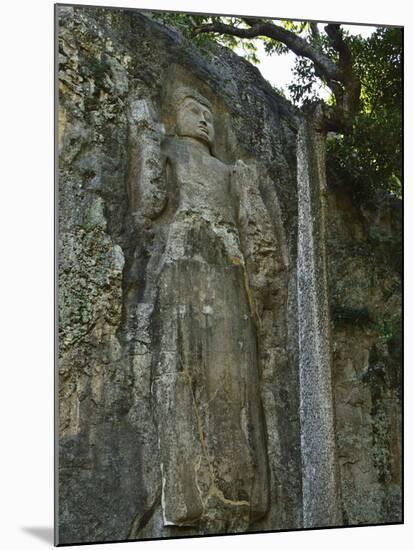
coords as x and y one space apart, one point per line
253 21
336 39
298 45
352 83
314 29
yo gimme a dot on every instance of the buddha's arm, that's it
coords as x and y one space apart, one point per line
146 182
258 241
252 215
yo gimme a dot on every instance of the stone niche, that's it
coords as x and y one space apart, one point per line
178 343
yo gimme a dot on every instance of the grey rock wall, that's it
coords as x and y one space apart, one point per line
364 245
112 402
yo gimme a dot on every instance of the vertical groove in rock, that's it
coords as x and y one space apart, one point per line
319 477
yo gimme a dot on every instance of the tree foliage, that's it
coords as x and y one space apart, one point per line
371 155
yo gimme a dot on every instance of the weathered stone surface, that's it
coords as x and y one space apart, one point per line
178 299
319 464
364 245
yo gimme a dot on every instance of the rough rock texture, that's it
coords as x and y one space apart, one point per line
320 484
120 338
364 246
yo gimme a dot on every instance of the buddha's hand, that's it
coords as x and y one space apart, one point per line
142 115
146 183
244 175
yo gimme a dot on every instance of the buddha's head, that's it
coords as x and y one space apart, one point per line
195 117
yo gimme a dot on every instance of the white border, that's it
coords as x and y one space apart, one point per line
26 230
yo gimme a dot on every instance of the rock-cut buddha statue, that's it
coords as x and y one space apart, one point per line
199 312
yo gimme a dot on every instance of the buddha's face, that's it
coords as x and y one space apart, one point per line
195 120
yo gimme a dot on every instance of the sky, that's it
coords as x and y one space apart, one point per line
277 69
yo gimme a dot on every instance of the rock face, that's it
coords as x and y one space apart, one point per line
179 379
364 247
